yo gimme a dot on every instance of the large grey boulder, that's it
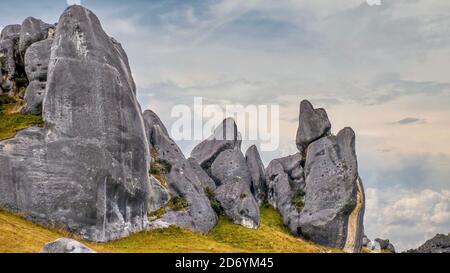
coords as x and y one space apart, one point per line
176 174
225 136
229 164
230 172
32 30
221 158
314 124
238 202
10 32
205 180
257 174
285 189
65 245
37 58
87 170
438 244
334 197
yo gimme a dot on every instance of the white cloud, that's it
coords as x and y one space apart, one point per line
73 2
407 217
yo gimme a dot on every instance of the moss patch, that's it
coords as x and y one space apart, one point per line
12 121
298 202
178 203
215 204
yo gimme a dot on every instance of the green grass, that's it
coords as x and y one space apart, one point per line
11 121
19 235
298 202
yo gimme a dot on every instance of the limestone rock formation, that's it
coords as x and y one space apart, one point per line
192 209
333 192
283 194
37 58
257 174
9 43
32 30
438 244
205 180
221 157
65 245
238 202
224 137
385 245
318 191
87 170
313 124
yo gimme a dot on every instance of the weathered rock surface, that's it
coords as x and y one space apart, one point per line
9 43
87 170
32 30
221 158
385 244
225 137
238 202
158 195
438 244
333 192
314 124
205 180
286 188
65 245
181 181
37 58
257 174
229 164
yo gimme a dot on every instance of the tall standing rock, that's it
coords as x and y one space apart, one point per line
314 124
189 206
257 174
87 170
334 200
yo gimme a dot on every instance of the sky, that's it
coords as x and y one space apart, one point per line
383 70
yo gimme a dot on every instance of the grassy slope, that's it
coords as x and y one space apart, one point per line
11 122
19 235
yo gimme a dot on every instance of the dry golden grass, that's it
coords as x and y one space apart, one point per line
19 235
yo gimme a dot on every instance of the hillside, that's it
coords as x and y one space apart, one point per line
19 235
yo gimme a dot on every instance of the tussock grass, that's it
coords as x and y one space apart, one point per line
19 235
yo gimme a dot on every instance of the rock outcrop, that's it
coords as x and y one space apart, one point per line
66 246
188 206
314 124
286 185
221 158
9 55
438 244
385 245
37 58
32 30
87 170
318 191
225 137
257 174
